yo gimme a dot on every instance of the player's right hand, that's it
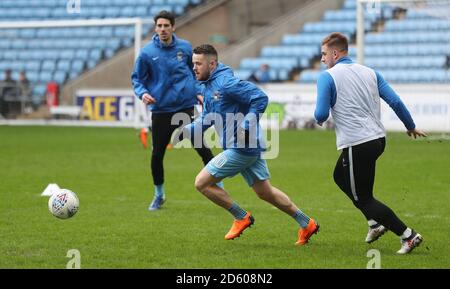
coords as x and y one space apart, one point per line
148 99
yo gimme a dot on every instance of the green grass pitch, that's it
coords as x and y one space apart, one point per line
109 171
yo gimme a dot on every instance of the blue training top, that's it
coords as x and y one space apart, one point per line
226 96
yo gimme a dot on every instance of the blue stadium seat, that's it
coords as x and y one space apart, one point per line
112 12
72 75
243 74
100 43
5 64
178 9
29 55
95 55
19 44
92 63
406 62
48 54
64 65
95 12
283 74
41 13
158 2
18 65
155 9
290 51
32 65
45 76
82 54
304 62
58 13
48 65
27 33
347 15
60 76
77 66
109 53
309 76
33 76
67 54
127 12
5 44
38 92
350 4
178 2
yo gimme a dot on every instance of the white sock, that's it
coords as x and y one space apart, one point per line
406 234
372 222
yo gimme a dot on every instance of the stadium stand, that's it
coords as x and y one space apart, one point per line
296 52
405 45
62 54
415 48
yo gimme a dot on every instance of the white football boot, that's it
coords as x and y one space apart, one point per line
409 245
375 233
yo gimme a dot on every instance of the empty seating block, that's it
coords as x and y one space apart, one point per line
415 49
59 54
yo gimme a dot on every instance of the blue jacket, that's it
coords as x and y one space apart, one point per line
228 96
165 72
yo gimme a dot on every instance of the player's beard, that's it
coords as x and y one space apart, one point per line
203 78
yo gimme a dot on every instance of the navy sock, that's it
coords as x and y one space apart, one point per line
237 212
301 218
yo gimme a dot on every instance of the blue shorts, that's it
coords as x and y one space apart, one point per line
229 163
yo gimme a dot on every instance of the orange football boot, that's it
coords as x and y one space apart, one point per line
239 226
306 233
143 137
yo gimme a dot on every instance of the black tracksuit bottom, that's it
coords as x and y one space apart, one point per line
355 174
162 130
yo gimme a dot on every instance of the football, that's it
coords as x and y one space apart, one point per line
63 204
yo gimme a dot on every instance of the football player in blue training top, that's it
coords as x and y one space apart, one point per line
163 79
225 99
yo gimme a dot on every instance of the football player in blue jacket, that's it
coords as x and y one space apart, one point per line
234 107
164 80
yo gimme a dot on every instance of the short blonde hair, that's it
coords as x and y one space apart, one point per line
336 40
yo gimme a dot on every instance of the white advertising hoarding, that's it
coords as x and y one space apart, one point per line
429 105
294 103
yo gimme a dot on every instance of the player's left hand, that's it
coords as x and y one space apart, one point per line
416 133
148 99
